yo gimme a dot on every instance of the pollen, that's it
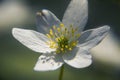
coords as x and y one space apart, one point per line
70 49
62 38
66 46
62 49
61 25
58 29
51 32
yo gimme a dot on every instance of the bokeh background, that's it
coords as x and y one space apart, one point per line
17 61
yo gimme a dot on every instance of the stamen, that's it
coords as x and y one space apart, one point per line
74 44
62 49
58 29
54 27
70 49
66 46
51 32
48 35
63 39
61 25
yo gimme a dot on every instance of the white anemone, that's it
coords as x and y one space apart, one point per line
62 42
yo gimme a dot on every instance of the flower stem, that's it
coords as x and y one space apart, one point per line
61 72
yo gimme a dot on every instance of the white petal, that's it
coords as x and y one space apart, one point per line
92 37
78 58
32 39
48 62
45 20
76 14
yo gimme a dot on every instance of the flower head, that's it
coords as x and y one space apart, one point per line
62 42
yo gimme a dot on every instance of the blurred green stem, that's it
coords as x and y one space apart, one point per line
61 72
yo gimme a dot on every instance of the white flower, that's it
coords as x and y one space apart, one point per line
62 42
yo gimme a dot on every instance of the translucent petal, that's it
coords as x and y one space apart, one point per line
48 62
76 14
34 40
45 20
78 58
92 37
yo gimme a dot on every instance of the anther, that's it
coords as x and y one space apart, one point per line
70 49
62 49
66 46
58 29
51 32
54 27
61 25
48 35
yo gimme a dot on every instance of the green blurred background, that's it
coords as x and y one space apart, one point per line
17 61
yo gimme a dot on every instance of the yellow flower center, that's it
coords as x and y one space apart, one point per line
63 39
